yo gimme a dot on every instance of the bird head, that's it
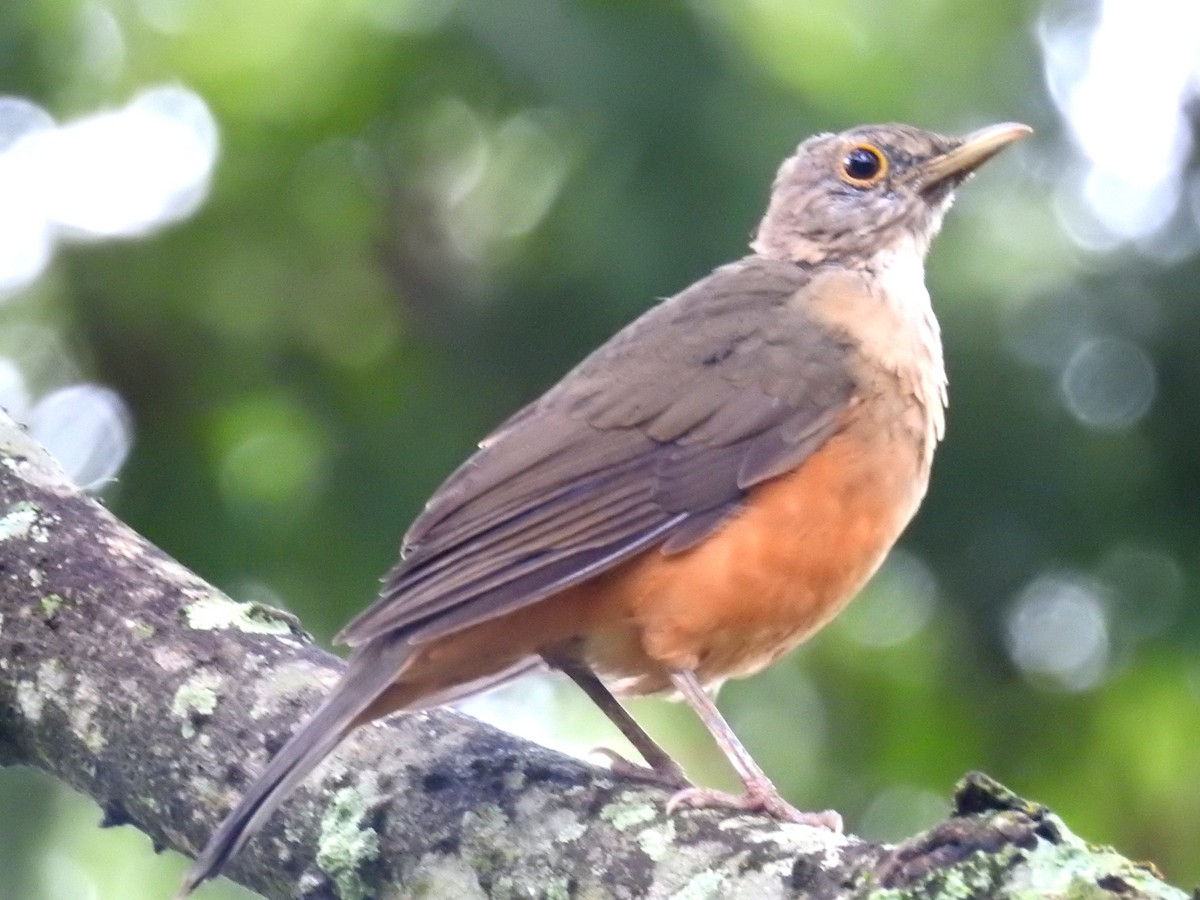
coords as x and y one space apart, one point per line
848 197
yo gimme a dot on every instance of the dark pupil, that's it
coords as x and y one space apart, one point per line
861 164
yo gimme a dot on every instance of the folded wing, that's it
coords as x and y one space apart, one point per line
652 440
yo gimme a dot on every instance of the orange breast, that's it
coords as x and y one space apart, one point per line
784 566
801 547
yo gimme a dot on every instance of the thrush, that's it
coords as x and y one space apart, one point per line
698 496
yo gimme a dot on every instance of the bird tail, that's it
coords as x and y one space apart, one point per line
371 671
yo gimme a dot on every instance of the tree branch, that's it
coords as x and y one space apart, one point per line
130 678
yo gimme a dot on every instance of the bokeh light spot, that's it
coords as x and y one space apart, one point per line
25 235
103 44
1058 632
119 173
493 182
272 455
124 172
1122 81
895 606
1109 383
87 429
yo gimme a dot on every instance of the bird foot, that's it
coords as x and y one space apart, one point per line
755 800
668 774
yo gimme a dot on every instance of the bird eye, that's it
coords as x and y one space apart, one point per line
864 165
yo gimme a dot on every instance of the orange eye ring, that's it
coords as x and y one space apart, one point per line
863 165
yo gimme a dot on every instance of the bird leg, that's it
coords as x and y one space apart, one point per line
761 794
662 768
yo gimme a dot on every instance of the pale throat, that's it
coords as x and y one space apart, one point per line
899 274
899 279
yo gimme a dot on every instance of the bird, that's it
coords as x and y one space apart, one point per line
695 498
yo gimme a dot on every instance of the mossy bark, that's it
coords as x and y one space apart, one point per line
130 678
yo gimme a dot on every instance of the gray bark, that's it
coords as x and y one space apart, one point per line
131 679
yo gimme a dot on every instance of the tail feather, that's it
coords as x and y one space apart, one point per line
372 669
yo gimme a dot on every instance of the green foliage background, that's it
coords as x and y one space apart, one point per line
424 212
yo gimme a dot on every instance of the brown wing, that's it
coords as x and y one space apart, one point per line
651 440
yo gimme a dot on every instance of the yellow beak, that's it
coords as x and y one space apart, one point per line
972 151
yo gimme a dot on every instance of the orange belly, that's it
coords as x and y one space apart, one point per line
800 548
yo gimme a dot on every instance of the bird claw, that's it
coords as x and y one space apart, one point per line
670 776
767 801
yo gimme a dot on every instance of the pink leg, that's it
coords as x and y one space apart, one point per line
761 794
